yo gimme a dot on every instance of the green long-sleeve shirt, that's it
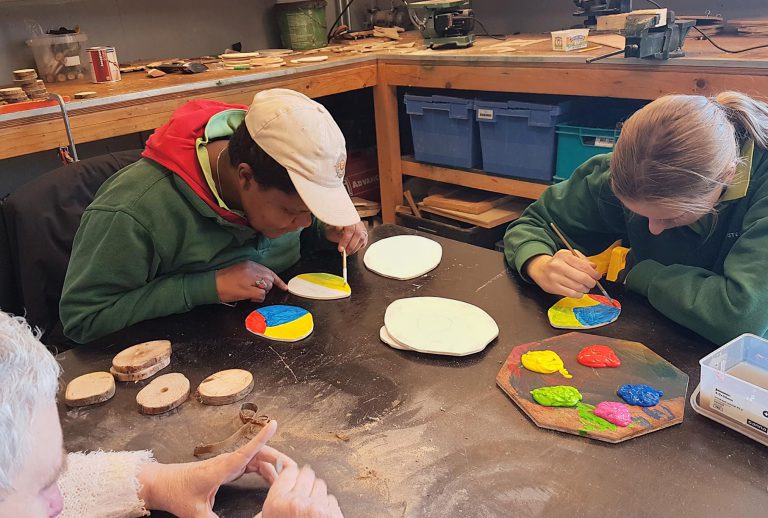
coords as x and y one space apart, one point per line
148 246
711 276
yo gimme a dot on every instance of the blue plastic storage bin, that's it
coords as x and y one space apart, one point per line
577 144
444 130
518 138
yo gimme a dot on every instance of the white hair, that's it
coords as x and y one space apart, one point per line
29 376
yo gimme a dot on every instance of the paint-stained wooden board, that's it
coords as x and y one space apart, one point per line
163 393
638 365
89 389
141 356
224 387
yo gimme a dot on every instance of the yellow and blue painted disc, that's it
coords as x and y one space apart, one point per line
588 312
281 323
319 286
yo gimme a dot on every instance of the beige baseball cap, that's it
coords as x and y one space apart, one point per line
301 135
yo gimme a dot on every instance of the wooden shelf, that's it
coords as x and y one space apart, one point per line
473 178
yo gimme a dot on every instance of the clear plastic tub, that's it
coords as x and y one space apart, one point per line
60 57
570 39
734 385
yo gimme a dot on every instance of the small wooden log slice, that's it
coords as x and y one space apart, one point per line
141 375
141 356
89 389
224 387
163 393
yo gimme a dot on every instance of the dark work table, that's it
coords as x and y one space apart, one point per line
427 435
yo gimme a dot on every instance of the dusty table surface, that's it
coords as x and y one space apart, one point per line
427 435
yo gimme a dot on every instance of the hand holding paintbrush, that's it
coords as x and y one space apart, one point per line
568 245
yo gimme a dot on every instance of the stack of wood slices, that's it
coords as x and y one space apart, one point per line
27 80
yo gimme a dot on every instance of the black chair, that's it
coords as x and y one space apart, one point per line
41 219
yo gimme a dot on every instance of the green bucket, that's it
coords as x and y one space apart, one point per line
302 24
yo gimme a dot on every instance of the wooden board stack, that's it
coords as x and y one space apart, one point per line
26 78
141 361
484 209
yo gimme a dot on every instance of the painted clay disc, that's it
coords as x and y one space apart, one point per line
163 393
90 389
224 387
440 326
588 312
141 356
403 257
319 286
280 323
394 344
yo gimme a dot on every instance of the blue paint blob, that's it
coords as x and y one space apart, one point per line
596 315
278 315
640 395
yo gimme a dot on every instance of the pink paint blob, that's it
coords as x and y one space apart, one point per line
616 413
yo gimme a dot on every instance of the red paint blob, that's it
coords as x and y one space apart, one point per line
256 323
598 356
603 300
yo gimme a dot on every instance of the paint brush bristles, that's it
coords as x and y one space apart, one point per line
568 245
344 264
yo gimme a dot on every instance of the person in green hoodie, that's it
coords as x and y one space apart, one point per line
224 198
686 188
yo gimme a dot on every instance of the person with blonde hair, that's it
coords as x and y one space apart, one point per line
37 479
686 187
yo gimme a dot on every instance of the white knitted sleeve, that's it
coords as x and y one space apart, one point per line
103 484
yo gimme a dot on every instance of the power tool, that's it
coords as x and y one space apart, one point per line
444 23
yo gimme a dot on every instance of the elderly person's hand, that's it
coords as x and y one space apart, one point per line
298 493
189 490
352 238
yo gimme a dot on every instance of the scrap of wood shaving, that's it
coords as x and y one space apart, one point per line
342 436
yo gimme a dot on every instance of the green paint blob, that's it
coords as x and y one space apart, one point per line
556 396
590 421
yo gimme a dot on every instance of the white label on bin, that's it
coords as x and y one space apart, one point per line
604 142
741 407
72 61
484 114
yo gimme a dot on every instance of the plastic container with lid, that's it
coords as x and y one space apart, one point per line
734 386
60 57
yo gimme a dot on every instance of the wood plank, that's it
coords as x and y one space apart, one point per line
465 200
491 218
599 80
388 142
474 179
29 135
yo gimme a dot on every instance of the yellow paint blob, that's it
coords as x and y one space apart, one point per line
327 280
545 362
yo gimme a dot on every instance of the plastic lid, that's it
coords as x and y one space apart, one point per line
55 39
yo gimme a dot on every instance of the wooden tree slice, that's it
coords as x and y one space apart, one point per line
142 356
224 387
141 375
89 389
163 393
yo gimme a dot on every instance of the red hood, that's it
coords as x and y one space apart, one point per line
173 146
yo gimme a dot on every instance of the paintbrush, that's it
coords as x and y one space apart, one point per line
344 264
568 245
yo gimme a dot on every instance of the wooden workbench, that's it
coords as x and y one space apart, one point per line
402 434
138 103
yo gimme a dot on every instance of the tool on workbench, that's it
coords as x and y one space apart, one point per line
652 36
185 67
444 23
594 8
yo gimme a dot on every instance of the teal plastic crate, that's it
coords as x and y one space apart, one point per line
577 144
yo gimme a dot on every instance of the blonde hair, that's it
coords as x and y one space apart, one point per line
29 376
678 149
